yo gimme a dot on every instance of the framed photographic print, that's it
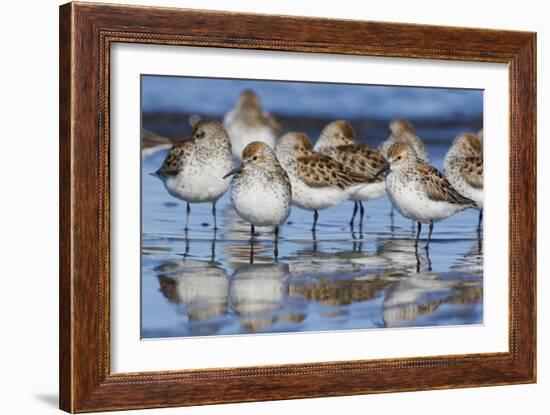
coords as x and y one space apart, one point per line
260 207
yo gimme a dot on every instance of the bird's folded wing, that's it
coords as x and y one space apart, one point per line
319 170
361 159
174 160
438 187
472 172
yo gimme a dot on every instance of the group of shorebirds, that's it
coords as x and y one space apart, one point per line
276 172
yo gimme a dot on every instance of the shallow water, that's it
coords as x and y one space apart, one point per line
203 283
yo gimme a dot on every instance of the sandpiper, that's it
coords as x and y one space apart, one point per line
318 181
246 122
337 140
418 190
194 169
402 131
261 191
463 167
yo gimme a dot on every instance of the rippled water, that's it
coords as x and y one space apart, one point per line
203 283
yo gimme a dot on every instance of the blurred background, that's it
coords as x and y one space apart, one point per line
202 282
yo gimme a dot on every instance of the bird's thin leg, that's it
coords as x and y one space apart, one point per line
480 219
355 208
276 250
213 247
418 234
214 215
362 213
418 263
429 260
251 243
430 234
188 212
186 253
315 217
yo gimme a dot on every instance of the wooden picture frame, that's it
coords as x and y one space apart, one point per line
86 33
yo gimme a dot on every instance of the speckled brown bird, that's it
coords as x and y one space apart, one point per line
261 191
318 181
193 170
463 166
419 191
337 140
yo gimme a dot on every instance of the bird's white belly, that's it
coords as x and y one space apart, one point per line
370 191
261 205
413 203
312 198
198 185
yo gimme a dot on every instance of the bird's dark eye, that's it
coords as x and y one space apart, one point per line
255 158
399 158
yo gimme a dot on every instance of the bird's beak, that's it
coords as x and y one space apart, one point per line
154 174
383 171
232 172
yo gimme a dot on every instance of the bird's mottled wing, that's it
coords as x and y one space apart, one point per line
360 159
320 170
438 187
174 160
472 172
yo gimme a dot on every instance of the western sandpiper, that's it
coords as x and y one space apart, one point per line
402 131
419 191
261 191
337 140
246 122
193 170
318 181
463 167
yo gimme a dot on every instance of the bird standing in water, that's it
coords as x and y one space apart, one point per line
193 170
318 181
261 191
337 140
463 166
418 191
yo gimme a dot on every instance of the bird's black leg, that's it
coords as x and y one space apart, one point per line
355 208
214 215
276 250
188 211
315 217
480 219
251 243
418 234
361 213
213 247
186 233
430 234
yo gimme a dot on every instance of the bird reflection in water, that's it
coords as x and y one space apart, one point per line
419 296
199 289
257 294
